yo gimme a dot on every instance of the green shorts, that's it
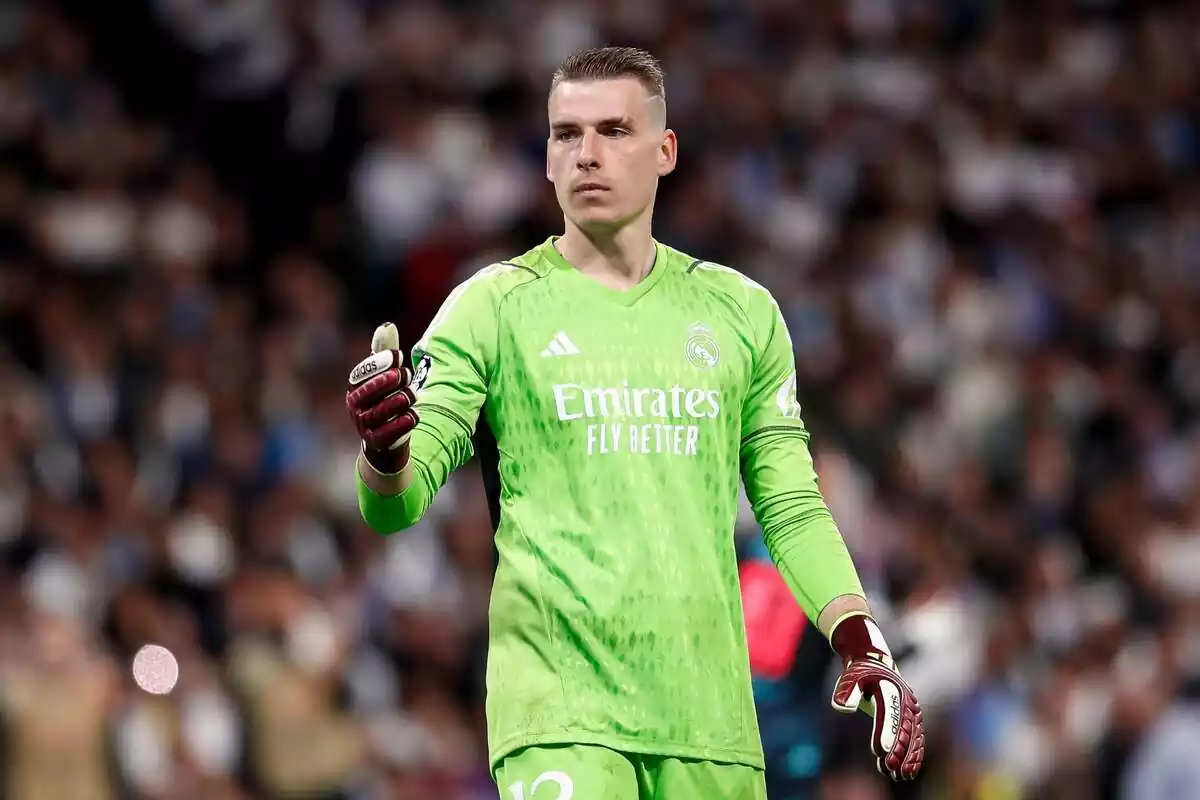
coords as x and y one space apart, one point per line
591 772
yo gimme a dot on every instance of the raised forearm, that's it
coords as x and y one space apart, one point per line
386 506
391 503
383 484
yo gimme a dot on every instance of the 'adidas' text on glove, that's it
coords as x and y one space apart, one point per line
871 681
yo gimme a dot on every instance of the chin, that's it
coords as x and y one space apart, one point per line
596 219
599 216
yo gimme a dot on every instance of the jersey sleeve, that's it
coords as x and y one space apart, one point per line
452 366
780 477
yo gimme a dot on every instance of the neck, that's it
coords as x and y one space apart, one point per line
620 257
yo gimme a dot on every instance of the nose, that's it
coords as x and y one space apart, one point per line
589 154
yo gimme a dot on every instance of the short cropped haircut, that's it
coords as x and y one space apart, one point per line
609 63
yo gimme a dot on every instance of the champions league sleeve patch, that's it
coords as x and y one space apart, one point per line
421 371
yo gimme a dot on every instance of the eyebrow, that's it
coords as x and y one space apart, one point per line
608 122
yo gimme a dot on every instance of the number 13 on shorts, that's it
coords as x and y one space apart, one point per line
593 772
551 780
566 772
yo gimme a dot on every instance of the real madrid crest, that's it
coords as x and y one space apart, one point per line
701 348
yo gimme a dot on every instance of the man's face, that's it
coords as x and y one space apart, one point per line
608 147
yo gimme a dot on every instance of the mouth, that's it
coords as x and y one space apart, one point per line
590 186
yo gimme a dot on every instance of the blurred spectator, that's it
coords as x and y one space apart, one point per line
58 694
981 220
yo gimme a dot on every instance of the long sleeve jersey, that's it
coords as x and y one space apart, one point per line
619 424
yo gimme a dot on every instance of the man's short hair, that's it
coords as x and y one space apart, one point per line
609 63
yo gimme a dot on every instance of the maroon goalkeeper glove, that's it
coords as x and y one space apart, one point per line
381 401
870 681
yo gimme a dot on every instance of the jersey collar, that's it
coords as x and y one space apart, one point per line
627 297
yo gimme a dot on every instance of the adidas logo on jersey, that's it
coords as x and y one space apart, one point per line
560 345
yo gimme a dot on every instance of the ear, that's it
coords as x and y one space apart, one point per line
668 153
549 176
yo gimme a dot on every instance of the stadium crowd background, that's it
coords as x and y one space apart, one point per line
982 220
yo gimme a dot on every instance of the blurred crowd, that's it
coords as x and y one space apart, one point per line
982 221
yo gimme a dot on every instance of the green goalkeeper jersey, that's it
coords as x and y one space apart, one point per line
622 422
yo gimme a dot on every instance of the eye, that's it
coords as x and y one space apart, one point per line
563 136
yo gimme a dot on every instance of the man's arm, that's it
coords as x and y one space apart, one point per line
806 546
800 533
452 366
782 485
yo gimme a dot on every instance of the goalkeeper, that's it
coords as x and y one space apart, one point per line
618 389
